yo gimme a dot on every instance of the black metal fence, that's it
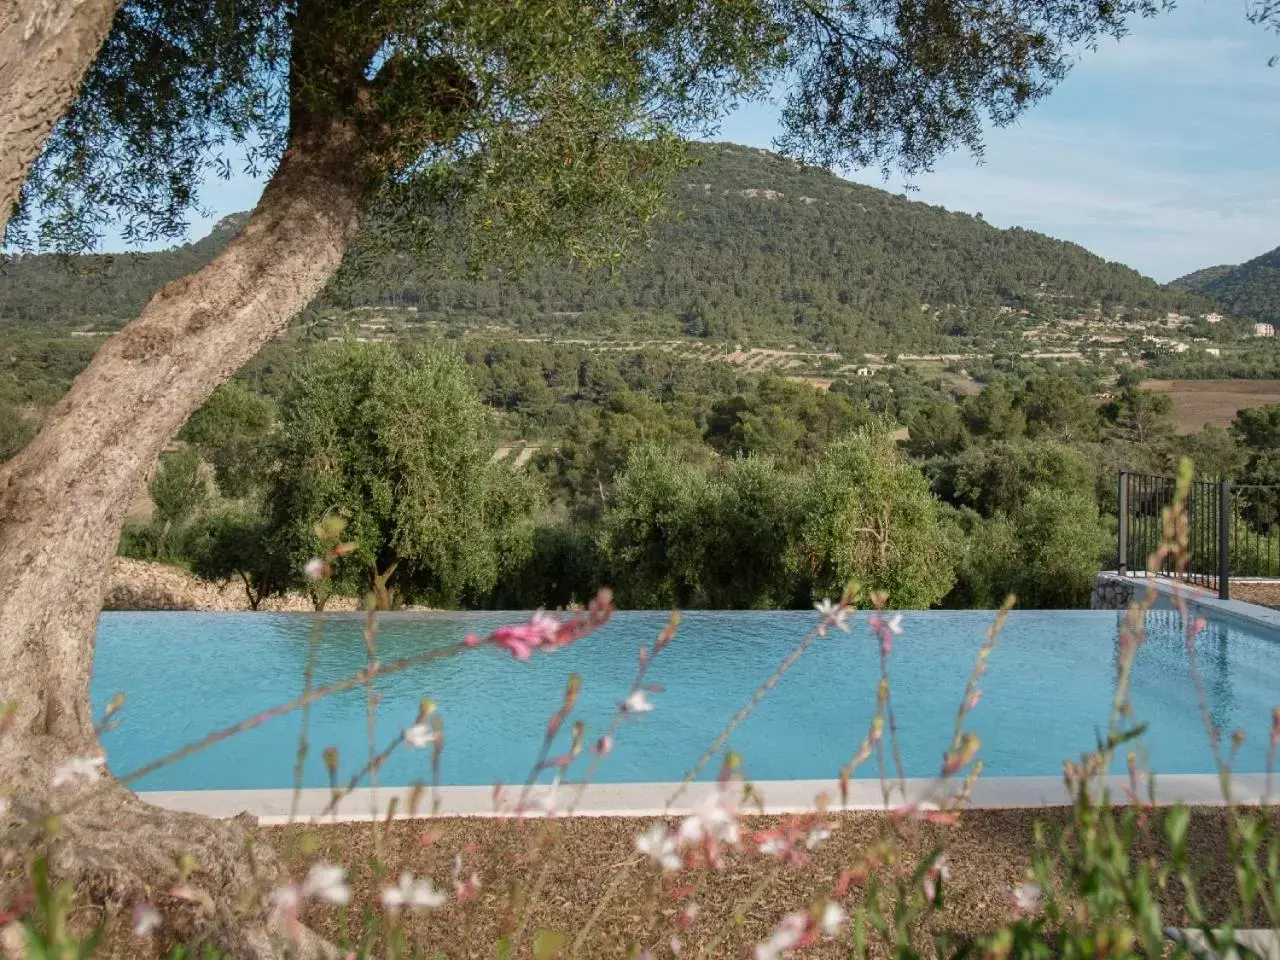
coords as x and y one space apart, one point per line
1234 530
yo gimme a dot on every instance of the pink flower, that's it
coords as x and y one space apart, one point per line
783 843
315 569
519 640
545 631
464 889
788 934
604 746
886 630
791 840
940 870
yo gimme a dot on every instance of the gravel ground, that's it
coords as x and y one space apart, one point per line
1264 592
988 852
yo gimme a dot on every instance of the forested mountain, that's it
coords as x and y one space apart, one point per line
104 288
761 251
1197 280
1249 290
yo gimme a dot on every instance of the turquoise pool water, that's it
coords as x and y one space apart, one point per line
1047 692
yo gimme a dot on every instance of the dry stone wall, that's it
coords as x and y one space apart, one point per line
139 585
1111 592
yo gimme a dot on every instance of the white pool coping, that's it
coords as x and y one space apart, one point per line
271 807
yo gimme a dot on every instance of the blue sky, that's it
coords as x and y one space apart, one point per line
1161 151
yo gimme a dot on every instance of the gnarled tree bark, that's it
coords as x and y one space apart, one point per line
63 501
64 498
45 48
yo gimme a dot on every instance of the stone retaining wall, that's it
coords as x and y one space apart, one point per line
139 585
1111 592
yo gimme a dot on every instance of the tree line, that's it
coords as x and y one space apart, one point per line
680 484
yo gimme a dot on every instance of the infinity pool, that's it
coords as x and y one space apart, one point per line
1047 692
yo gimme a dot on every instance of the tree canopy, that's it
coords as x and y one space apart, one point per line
398 446
511 123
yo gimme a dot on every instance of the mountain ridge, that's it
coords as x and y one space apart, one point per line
761 250
1250 289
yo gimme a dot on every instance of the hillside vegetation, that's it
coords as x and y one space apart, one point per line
1249 290
759 251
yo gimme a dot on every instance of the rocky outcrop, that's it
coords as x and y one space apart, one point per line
139 585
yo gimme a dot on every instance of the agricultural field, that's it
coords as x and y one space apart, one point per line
1199 403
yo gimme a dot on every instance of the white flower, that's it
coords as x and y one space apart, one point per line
677 947
657 844
714 820
87 768
1027 897
412 894
833 614
895 624
832 919
287 899
638 702
548 627
145 919
314 569
817 836
773 847
419 736
326 882
789 931
544 798
940 870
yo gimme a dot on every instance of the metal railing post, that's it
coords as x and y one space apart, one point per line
1122 554
1224 540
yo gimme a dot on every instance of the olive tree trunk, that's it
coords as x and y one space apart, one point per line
64 498
45 48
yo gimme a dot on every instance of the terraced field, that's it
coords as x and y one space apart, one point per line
1199 403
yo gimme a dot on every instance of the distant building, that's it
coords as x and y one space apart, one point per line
864 371
1264 330
1213 318
1213 351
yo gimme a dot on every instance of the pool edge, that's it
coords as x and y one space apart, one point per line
271 807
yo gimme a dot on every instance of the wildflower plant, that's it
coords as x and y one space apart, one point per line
1114 876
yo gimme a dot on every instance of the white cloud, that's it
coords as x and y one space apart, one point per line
1115 195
